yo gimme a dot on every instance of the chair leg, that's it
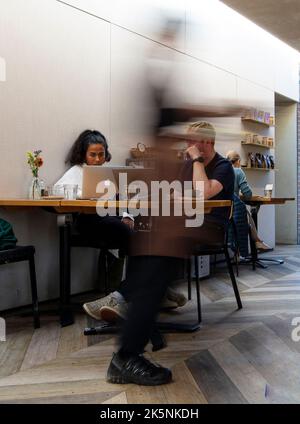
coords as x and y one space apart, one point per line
237 250
253 250
66 314
189 278
35 305
233 280
198 289
237 264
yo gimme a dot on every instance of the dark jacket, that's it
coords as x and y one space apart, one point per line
7 237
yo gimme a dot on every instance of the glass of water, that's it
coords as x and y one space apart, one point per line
70 191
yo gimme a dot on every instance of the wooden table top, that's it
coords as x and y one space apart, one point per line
261 200
91 203
62 206
29 203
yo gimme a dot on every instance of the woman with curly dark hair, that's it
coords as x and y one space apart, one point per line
90 148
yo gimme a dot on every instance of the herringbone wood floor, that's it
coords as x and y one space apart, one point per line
245 356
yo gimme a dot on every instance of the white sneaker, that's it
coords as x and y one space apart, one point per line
176 297
112 313
168 304
93 308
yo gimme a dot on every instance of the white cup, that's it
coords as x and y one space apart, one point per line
268 194
70 191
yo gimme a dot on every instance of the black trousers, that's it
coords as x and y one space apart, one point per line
148 278
209 233
146 283
99 231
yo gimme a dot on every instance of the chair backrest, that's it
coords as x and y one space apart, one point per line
7 237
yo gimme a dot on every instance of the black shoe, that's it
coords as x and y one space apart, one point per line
137 370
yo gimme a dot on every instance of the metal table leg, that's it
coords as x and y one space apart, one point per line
64 223
156 338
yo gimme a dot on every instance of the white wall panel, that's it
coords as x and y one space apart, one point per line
286 65
101 8
207 84
146 17
222 37
2 70
149 16
131 110
54 90
58 73
286 177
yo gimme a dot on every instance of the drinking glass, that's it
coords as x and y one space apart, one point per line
70 191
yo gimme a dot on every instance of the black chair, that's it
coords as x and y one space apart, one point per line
236 248
24 253
204 250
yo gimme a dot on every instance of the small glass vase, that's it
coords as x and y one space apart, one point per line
35 189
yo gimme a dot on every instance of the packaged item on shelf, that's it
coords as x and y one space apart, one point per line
248 138
264 161
272 120
250 114
267 118
260 116
258 160
270 142
257 139
265 141
250 160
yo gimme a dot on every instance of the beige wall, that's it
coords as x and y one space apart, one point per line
58 81
68 70
286 176
2 70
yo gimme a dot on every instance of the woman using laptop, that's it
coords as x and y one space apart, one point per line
91 148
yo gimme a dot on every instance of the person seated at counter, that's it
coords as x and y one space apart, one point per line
241 215
91 148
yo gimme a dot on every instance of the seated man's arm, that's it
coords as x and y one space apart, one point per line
211 187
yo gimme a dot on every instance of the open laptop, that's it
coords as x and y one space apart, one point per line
108 176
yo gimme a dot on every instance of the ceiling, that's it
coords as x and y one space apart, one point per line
279 17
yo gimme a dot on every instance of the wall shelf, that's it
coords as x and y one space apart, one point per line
254 121
257 145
